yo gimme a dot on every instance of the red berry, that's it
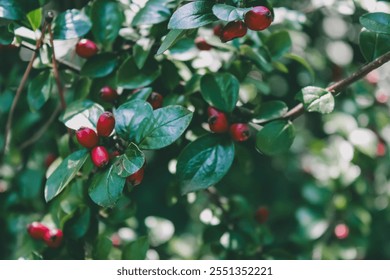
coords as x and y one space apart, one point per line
341 231
50 158
100 157
156 100
239 132
232 30
136 178
37 230
105 124
218 121
381 149
202 45
87 137
259 18
53 238
108 94
86 48
217 30
261 215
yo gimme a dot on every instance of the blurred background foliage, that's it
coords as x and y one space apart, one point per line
327 198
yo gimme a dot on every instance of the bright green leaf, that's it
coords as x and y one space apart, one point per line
130 162
271 110
172 37
71 24
261 59
82 113
35 18
373 45
154 11
376 22
204 162
64 173
275 137
316 99
279 43
229 13
39 90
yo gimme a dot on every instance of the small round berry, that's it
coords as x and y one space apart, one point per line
259 18
232 30
239 132
341 231
100 156
136 178
381 149
156 100
218 121
53 238
87 137
108 94
261 215
217 30
86 48
105 124
37 230
202 45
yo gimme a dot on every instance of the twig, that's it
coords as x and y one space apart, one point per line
7 133
342 84
42 130
49 18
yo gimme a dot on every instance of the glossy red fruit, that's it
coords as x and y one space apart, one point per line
261 215
341 231
239 132
232 30
37 230
217 30
100 156
86 48
218 121
259 18
381 149
136 178
202 45
156 100
53 238
50 158
87 137
108 94
105 124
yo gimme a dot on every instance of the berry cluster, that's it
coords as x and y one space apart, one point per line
52 237
257 19
219 123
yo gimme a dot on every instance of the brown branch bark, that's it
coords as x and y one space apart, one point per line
7 133
342 84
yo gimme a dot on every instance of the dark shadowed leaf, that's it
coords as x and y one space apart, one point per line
275 137
99 65
376 22
204 162
39 90
172 37
279 43
373 45
136 250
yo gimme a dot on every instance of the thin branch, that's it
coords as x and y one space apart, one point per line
49 17
42 130
7 133
342 84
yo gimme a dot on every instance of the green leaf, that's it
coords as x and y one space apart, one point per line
373 45
168 124
229 13
106 187
6 34
77 224
39 90
376 22
136 250
141 51
301 61
35 18
275 137
101 248
107 18
192 15
220 90
64 173
142 94
130 162
131 77
71 24
279 43
172 37
99 65
271 110
154 11
204 162
17 9
260 58
82 113
316 99
129 116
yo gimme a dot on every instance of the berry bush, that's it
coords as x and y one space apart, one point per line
161 129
